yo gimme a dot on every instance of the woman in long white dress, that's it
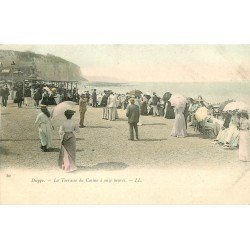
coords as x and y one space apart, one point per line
67 156
45 127
244 142
179 128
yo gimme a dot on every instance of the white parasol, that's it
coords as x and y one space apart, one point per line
62 107
235 106
178 100
201 114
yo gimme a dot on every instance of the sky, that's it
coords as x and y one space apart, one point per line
153 63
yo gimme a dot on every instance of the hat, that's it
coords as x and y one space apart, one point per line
69 112
43 107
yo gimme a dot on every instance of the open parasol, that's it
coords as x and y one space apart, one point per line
201 114
235 106
135 92
62 107
223 104
166 96
178 100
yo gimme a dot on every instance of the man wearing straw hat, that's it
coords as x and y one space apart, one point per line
133 114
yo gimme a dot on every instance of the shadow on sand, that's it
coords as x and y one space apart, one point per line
4 151
80 139
98 127
150 140
121 119
202 136
105 166
153 124
25 139
51 150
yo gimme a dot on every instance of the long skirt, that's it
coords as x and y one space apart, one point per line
144 110
169 113
179 128
244 146
229 135
67 156
45 135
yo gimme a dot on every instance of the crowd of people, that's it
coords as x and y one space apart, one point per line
229 129
32 95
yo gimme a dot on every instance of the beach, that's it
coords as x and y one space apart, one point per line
157 169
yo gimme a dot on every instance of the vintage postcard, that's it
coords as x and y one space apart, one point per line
124 124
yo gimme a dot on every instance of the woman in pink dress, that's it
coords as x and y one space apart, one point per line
67 156
179 128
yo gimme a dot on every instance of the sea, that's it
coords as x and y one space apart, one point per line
212 92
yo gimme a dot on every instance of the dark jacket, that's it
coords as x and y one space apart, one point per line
227 121
27 93
5 92
94 96
133 113
19 95
37 95
104 101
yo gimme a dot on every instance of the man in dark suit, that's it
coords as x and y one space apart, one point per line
94 98
133 114
5 96
104 103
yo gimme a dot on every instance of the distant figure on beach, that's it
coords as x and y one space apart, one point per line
244 143
112 106
154 102
45 128
103 104
19 97
201 102
5 95
82 110
138 103
1 90
45 97
169 111
133 114
144 109
94 98
179 129
67 156
87 94
27 96
37 97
